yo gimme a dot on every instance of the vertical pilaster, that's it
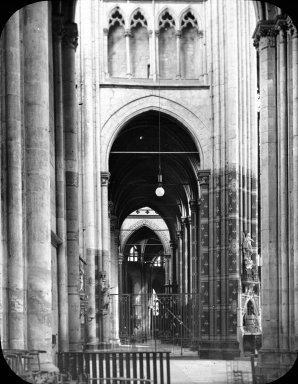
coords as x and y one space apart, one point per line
105 53
152 55
37 144
69 45
174 274
14 184
194 246
157 53
178 53
127 35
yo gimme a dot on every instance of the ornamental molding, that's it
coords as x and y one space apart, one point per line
105 177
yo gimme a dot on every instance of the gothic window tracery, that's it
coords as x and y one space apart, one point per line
139 46
189 46
167 46
116 45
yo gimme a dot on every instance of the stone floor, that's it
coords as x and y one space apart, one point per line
190 371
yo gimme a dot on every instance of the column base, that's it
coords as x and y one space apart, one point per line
273 365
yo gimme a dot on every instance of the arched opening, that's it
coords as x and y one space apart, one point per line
116 45
139 46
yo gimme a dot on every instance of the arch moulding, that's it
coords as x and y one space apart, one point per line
193 124
155 228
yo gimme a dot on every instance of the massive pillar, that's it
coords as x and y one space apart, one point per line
37 126
278 351
16 313
71 176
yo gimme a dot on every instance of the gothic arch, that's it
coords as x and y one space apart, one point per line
154 227
119 118
185 12
112 12
146 16
164 10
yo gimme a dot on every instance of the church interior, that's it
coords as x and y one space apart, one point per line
149 185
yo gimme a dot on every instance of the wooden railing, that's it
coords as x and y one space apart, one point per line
116 367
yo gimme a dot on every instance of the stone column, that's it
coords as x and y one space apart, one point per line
106 52
179 260
173 275
37 144
120 272
16 314
178 49
157 53
72 180
295 169
184 256
60 186
105 262
127 35
283 187
114 337
89 171
189 253
194 246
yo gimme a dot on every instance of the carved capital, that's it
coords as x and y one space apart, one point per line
173 244
200 33
178 34
105 177
265 30
157 33
106 31
70 35
127 33
203 177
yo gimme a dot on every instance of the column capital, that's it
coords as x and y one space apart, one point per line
157 32
200 33
179 234
292 29
70 35
173 244
203 177
265 29
193 205
106 31
105 177
178 34
150 32
127 33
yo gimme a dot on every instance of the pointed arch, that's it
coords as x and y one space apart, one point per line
165 240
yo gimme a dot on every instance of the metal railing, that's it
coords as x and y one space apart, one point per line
116 367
